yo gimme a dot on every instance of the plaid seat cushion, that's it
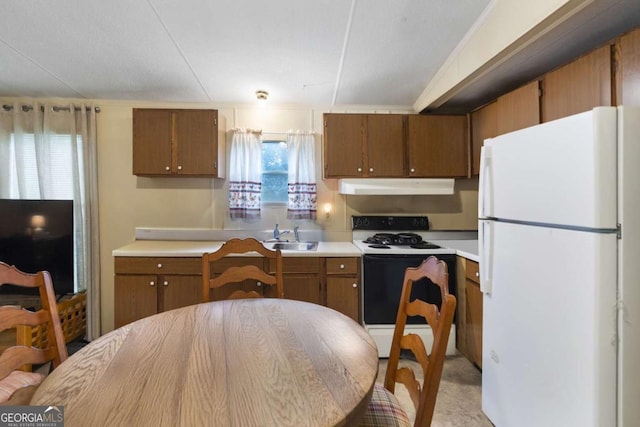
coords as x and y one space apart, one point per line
384 410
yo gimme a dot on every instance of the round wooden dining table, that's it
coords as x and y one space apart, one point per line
249 362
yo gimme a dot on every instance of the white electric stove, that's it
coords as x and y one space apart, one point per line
389 245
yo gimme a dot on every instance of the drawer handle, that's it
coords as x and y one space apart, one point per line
166 283
152 283
159 265
342 266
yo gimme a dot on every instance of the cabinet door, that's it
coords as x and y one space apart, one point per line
152 136
343 296
578 86
473 314
179 291
437 146
484 124
303 288
628 70
385 145
343 145
136 296
519 109
196 142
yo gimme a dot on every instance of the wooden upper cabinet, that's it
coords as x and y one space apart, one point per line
484 124
518 109
177 142
628 69
437 146
385 145
578 86
363 145
343 145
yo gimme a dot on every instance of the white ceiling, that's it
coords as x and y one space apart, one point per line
322 52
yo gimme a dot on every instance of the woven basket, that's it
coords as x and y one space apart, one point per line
73 317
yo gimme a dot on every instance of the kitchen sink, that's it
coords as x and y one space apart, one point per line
296 246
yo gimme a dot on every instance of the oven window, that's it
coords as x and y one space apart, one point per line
383 276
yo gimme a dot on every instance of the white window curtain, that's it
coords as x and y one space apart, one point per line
302 189
49 152
245 170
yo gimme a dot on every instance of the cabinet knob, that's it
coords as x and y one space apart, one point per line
167 168
166 283
258 283
355 285
342 266
370 169
179 167
359 169
477 274
159 265
152 283
413 170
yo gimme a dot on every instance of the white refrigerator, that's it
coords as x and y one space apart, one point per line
559 241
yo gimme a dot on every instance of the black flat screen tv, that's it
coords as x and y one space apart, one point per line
37 235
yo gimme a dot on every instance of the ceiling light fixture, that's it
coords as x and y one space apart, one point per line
262 95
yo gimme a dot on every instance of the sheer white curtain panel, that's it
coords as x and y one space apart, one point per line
245 171
302 188
51 153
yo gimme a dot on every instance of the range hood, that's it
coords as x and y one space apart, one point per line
395 186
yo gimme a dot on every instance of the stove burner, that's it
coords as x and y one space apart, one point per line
403 239
376 246
425 245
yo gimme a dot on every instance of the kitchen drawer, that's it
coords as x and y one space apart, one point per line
342 265
158 265
297 265
472 271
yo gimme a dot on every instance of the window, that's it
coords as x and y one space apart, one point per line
275 172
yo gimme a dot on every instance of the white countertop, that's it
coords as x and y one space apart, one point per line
463 248
189 248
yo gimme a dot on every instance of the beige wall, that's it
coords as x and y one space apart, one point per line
127 201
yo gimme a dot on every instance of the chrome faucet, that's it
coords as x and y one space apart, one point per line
277 233
295 233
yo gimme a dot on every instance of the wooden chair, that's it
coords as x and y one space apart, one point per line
17 384
384 409
238 274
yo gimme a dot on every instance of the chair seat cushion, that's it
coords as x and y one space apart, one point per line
15 381
384 410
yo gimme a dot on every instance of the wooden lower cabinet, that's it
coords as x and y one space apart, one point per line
469 308
148 285
302 278
343 286
473 313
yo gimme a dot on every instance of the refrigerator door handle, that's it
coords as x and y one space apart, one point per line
485 249
484 193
